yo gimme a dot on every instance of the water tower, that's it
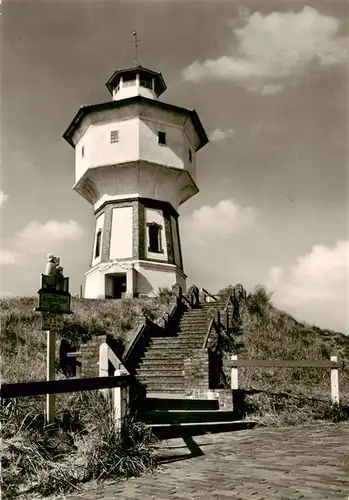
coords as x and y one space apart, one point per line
135 162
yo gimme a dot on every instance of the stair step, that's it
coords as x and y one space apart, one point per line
159 354
180 404
169 361
193 331
178 343
164 387
172 350
187 416
194 326
166 357
168 431
174 340
157 378
163 371
158 367
199 319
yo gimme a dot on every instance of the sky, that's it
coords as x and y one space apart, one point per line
269 81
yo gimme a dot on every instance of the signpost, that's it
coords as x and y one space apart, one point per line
54 301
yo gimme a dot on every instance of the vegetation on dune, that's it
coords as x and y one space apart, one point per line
287 395
82 445
23 343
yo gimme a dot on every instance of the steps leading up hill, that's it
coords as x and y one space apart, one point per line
176 417
161 367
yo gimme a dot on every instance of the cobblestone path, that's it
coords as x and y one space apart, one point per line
290 463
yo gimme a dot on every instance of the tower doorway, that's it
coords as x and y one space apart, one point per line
118 286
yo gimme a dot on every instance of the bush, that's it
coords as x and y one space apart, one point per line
259 301
226 292
81 445
280 409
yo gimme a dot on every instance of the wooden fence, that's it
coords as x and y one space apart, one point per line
234 363
116 387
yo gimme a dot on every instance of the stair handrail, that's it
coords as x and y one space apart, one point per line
207 336
140 333
147 327
208 294
213 324
185 299
230 300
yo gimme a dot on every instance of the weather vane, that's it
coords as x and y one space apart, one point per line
135 39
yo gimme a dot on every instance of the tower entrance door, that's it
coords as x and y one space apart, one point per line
118 286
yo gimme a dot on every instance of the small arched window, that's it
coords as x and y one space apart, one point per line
154 237
98 244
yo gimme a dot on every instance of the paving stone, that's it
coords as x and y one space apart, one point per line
294 463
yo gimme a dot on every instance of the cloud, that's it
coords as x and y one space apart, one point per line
317 285
3 198
269 49
7 257
270 89
218 135
36 238
274 277
219 222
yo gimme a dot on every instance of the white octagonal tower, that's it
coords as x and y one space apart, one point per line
135 162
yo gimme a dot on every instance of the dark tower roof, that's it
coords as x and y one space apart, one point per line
129 73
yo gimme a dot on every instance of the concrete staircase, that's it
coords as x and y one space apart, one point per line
175 417
161 368
165 409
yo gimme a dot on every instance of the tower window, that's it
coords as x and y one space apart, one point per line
82 151
190 155
162 138
114 136
154 235
98 244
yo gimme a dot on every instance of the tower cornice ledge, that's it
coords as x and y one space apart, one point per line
92 108
145 179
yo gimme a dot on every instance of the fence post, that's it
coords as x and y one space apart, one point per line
104 366
234 382
238 395
334 383
51 375
120 403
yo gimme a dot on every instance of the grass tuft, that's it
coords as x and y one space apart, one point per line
82 445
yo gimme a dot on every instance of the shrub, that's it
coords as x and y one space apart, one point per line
81 445
226 292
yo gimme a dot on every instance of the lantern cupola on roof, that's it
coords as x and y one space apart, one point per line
136 81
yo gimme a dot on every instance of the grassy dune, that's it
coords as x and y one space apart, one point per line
82 445
288 396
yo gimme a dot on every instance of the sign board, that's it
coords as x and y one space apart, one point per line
54 302
52 321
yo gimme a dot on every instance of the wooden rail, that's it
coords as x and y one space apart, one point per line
234 363
281 363
27 389
120 384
